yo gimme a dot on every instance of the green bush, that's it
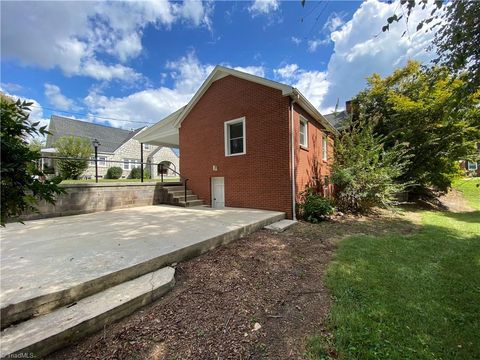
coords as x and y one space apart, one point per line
136 173
114 172
314 207
365 174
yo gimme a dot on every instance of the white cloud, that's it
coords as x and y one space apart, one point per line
313 84
358 52
152 105
11 87
74 35
56 98
314 44
262 7
334 22
254 70
296 40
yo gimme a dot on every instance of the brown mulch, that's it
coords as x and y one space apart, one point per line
220 299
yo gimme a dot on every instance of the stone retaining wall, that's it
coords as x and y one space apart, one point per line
88 198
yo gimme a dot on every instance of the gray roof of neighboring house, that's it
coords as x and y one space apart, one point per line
110 138
337 119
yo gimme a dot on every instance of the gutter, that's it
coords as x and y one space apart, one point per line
294 98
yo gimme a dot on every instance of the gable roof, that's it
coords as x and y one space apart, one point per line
287 90
168 127
110 138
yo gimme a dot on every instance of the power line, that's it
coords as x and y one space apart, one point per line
91 115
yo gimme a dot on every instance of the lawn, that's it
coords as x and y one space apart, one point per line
470 188
408 296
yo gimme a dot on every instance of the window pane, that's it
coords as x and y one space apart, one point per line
236 130
236 146
302 138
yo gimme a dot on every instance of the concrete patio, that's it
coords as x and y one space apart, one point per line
52 262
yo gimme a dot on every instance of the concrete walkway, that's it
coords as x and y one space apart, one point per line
67 255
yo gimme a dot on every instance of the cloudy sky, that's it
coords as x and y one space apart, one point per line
131 63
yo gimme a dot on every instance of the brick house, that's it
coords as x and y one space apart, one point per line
246 141
117 148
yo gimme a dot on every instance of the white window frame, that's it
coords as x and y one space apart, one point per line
102 161
325 147
303 121
473 163
227 137
129 164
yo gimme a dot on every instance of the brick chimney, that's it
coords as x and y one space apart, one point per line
348 107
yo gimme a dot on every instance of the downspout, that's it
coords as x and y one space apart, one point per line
292 149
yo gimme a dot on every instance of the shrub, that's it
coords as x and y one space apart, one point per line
314 206
364 173
114 172
73 147
136 173
21 183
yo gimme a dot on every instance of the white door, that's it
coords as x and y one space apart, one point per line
218 192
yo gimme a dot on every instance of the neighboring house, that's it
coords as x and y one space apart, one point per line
248 142
115 145
472 166
339 118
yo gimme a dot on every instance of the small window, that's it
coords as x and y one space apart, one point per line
303 132
325 147
472 166
146 146
235 137
129 164
102 161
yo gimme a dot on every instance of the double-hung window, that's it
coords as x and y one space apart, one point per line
325 147
129 164
303 132
235 137
102 161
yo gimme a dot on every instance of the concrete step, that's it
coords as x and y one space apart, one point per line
47 333
179 193
176 199
190 203
174 188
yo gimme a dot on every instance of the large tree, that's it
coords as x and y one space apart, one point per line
22 183
421 107
457 37
74 153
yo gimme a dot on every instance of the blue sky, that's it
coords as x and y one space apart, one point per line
131 63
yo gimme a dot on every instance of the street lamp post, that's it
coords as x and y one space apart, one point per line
96 144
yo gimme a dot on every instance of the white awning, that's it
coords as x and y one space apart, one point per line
163 133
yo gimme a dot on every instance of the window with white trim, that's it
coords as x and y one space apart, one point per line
102 161
235 139
325 147
129 164
303 132
472 166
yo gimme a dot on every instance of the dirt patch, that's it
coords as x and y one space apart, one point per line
455 201
259 297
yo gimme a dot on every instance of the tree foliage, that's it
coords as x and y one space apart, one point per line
457 38
77 148
21 181
426 109
367 174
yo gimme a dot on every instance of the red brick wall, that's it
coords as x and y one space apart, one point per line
308 161
260 178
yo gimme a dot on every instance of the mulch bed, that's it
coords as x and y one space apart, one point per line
260 297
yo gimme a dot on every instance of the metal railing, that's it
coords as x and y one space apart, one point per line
132 164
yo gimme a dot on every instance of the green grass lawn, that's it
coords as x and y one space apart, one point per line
471 190
411 296
84 181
